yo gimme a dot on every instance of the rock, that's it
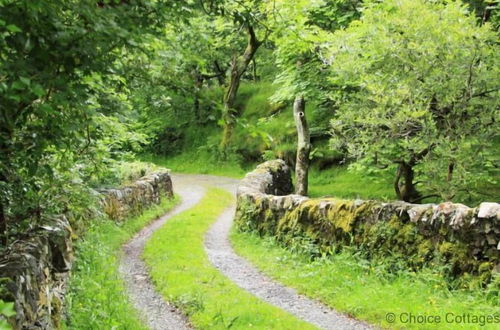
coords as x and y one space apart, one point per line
36 267
420 231
489 210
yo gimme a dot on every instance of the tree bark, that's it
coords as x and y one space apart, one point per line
490 6
303 146
451 167
220 74
198 84
406 191
4 170
254 67
239 65
3 226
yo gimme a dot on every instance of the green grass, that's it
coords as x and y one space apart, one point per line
353 286
96 298
253 99
183 274
199 163
342 183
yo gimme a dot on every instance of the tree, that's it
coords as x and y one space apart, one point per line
236 16
300 33
417 86
52 56
238 67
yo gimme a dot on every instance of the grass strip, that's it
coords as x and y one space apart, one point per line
199 162
96 297
183 274
350 285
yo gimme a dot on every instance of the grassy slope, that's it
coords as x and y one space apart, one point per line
96 298
266 131
264 126
349 285
340 182
193 162
182 273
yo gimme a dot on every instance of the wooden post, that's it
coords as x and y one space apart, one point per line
303 146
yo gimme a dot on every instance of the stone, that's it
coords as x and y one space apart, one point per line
35 268
470 235
489 210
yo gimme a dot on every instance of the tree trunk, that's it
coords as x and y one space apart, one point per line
220 74
406 191
198 84
303 146
487 11
451 167
254 67
238 67
4 170
3 226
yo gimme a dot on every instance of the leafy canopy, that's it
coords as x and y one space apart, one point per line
417 82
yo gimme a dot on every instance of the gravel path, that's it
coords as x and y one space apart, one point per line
249 278
155 312
160 315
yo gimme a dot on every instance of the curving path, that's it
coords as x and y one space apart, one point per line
160 315
155 312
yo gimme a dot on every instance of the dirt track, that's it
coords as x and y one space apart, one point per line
158 314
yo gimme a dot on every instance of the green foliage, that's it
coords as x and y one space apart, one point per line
367 291
182 273
416 84
6 311
96 297
297 56
60 93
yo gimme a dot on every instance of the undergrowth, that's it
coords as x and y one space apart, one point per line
352 285
183 274
96 297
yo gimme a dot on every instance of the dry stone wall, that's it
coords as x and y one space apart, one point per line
130 200
465 240
34 268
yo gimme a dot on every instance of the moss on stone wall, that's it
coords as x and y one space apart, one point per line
452 236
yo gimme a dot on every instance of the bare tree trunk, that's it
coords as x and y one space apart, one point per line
238 67
451 167
4 237
4 160
303 146
487 11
